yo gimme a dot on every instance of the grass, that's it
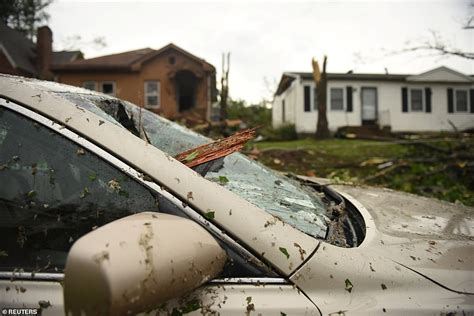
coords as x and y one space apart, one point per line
401 166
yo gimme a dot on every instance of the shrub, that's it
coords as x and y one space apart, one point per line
285 132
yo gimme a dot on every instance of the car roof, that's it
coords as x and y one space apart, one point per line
231 211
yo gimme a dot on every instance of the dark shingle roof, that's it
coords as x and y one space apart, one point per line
20 49
354 76
64 56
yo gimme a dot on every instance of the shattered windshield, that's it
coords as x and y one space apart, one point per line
287 199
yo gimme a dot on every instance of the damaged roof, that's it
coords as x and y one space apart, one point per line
127 61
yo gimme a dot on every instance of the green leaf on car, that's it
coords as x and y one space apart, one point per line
92 177
31 194
191 156
210 215
84 192
285 252
223 180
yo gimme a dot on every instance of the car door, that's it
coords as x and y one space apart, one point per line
57 186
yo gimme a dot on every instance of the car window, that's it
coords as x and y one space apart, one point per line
52 192
295 204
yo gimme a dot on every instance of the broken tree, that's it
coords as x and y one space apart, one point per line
215 150
320 79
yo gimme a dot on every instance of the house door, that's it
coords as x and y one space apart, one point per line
369 106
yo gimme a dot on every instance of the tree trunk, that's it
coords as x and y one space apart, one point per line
322 129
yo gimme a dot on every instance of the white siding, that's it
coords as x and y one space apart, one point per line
290 97
389 101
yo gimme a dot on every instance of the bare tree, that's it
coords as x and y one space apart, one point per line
438 45
224 93
320 79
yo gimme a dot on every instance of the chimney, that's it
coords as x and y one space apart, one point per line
44 52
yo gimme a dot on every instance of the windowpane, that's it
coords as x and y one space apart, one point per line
52 192
108 88
461 101
151 87
152 94
417 100
152 100
337 101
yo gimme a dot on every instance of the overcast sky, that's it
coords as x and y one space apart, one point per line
267 38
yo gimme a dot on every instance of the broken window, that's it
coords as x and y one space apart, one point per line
259 185
337 99
152 94
108 88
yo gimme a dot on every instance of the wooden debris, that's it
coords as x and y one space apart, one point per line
215 150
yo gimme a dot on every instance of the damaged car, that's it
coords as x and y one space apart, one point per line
99 218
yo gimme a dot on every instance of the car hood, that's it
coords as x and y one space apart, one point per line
432 237
414 248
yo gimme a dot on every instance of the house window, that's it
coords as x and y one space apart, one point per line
461 101
315 99
90 85
416 100
337 99
108 87
172 60
152 94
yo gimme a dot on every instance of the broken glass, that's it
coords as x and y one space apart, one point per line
285 198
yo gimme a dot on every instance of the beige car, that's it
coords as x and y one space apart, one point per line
97 218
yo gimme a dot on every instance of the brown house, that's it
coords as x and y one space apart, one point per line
20 56
170 81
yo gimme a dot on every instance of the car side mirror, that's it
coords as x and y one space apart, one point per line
136 263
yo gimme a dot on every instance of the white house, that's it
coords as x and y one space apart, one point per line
431 101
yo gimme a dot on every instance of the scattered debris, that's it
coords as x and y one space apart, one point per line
44 304
215 150
190 196
349 286
301 250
